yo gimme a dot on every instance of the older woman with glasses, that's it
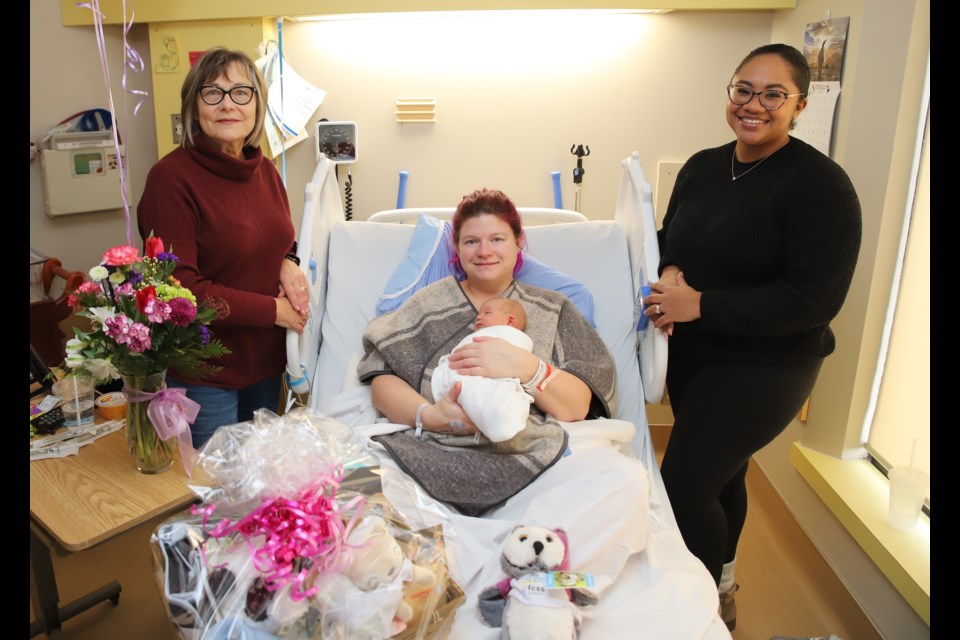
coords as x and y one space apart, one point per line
758 248
221 207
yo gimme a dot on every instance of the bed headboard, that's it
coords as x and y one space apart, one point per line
363 255
348 265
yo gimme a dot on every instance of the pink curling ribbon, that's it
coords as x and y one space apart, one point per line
171 412
302 537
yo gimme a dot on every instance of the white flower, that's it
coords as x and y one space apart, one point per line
117 277
75 360
98 273
102 368
101 314
75 346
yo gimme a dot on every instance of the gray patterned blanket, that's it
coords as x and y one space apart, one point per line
471 473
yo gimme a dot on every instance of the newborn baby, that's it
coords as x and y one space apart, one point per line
498 406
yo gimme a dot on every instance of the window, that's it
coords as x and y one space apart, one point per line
899 427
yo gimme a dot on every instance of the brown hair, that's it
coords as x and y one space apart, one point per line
213 63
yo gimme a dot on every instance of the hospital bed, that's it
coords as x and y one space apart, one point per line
661 591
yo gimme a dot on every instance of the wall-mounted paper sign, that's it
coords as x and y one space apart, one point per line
168 60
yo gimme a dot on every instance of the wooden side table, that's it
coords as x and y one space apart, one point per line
79 501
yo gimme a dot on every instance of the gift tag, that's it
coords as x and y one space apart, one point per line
568 580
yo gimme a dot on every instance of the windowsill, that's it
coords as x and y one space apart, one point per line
857 494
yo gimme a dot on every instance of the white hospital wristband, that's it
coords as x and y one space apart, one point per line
418 421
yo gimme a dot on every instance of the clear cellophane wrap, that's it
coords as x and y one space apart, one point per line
292 538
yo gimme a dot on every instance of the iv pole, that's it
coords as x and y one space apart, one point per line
578 171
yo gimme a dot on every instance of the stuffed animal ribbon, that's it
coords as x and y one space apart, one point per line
171 412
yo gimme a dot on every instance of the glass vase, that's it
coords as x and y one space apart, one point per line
150 453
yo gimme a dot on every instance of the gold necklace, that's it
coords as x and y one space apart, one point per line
733 157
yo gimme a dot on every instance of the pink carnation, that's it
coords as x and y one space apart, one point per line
118 328
121 256
125 289
133 334
156 310
87 286
182 311
140 340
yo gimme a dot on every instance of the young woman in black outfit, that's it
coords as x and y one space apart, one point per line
758 248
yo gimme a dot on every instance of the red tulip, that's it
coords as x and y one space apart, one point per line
144 296
153 247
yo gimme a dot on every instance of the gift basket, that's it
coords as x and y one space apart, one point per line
292 538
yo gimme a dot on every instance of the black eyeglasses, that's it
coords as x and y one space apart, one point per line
241 94
770 99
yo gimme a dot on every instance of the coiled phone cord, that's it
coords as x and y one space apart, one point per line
348 196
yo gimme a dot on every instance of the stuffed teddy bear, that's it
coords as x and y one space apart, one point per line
367 599
529 556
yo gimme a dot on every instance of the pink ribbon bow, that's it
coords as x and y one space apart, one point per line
171 412
290 530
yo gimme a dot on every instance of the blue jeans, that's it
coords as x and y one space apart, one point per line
227 406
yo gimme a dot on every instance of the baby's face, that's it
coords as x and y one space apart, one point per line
491 315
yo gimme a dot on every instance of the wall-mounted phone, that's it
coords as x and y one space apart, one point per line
337 141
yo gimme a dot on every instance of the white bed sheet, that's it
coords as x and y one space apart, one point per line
648 582
646 579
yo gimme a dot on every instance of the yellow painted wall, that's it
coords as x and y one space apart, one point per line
180 10
170 47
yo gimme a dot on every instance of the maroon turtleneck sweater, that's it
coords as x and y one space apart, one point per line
228 221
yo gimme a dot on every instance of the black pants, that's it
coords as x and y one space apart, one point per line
723 414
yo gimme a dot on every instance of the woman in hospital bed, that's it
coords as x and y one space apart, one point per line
599 496
498 406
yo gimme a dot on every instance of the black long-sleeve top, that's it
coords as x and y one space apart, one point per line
773 252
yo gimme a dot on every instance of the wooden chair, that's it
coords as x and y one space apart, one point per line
46 314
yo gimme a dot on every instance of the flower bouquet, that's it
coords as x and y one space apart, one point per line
144 324
294 540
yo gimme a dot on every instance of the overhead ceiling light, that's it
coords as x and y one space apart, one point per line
464 13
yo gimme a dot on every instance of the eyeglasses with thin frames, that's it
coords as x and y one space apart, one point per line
770 99
240 94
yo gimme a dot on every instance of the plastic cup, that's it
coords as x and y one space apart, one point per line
908 488
113 406
76 401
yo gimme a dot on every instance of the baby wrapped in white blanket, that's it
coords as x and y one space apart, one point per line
498 406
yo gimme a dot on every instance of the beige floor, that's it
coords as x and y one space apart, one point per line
787 588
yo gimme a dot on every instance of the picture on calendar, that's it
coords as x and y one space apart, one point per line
823 45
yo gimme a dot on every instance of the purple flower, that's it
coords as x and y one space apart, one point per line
134 277
167 256
182 312
204 334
